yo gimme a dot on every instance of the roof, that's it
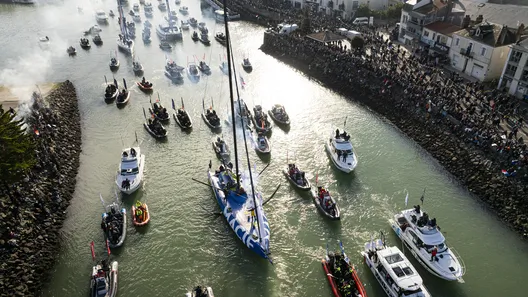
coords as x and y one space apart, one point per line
325 36
489 34
443 28
506 14
431 7
410 280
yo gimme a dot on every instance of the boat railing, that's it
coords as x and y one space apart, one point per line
460 262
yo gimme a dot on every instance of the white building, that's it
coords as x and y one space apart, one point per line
515 73
480 51
438 36
343 8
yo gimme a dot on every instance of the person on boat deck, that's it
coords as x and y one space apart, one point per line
132 152
125 154
345 156
143 80
139 214
417 208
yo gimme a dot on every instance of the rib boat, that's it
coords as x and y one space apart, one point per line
111 91
155 128
114 225
202 65
193 72
297 177
130 174
158 111
210 117
145 85
221 148
262 144
220 37
124 96
279 115
182 117
326 204
422 235
260 120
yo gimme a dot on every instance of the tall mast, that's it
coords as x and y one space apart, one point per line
169 15
229 71
123 20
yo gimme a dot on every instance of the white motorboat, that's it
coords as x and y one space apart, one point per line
104 278
422 235
130 175
262 144
44 39
193 72
184 10
193 22
135 7
168 32
341 151
136 17
393 271
101 17
185 25
162 6
147 24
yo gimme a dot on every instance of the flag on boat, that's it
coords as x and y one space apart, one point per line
92 249
407 199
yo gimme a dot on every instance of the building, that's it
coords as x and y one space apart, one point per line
505 14
481 50
437 36
515 73
342 8
419 13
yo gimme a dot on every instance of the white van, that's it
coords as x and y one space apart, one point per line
285 29
361 21
351 34
342 31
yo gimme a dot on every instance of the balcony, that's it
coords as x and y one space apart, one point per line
466 52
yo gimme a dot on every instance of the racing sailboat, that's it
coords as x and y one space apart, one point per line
124 42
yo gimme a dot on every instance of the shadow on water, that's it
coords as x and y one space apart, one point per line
266 158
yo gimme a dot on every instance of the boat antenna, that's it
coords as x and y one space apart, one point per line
231 59
231 96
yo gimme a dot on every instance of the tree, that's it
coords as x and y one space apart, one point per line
306 25
357 42
363 11
17 154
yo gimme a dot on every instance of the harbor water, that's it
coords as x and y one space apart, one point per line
186 243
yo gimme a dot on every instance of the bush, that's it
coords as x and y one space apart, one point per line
357 42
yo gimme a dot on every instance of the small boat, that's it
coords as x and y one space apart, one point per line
246 64
114 225
148 6
341 274
172 16
135 7
172 66
95 29
140 214
131 12
147 24
185 25
148 13
326 203
177 2
159 112
174 75
130 175
131 27
145 85
221 148
71 51
242 111
184 9
111 91
137 67
164 45
393 271
193 22
44 39
97 40
114 63
85 43
203 27
262 144
210 117
136 17
146 36
101 17
297 177
182 117
142 2
202 65
204 38
220 37
162 6
193 72
104 279
422 235
155 128
195 36
260 120
341 152
199 291
224 67
111 14
124 96
132 34
279 115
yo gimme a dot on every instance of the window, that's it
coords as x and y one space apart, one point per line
434 35
483 51
457 42
524 75
355 5
516 56
510 70
426 33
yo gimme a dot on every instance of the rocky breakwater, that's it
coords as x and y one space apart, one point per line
445 138
32 211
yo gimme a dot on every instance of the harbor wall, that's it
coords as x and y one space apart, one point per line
475 169
32 211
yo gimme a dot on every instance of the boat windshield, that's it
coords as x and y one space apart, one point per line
411 292
402 271
441 247
394 258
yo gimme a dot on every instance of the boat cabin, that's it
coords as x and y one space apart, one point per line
129 162
424 231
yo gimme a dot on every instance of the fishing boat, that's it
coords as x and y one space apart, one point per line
221 148
124 41
103 282
130 175
422 235
158 111
193 72
101 17
162 6
342 275
326 203
155 128
111 91
341 151
164 45
114 225
200 291
184 10
114 63
145 85
297 177
124 96
210 117
393 271
185 25
182 117
85 43
246 64
260 120
195 36
141 217
220 37
242 112
97 40
262 144
204 38
193 22
279 115
71 51
202 65
135 7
